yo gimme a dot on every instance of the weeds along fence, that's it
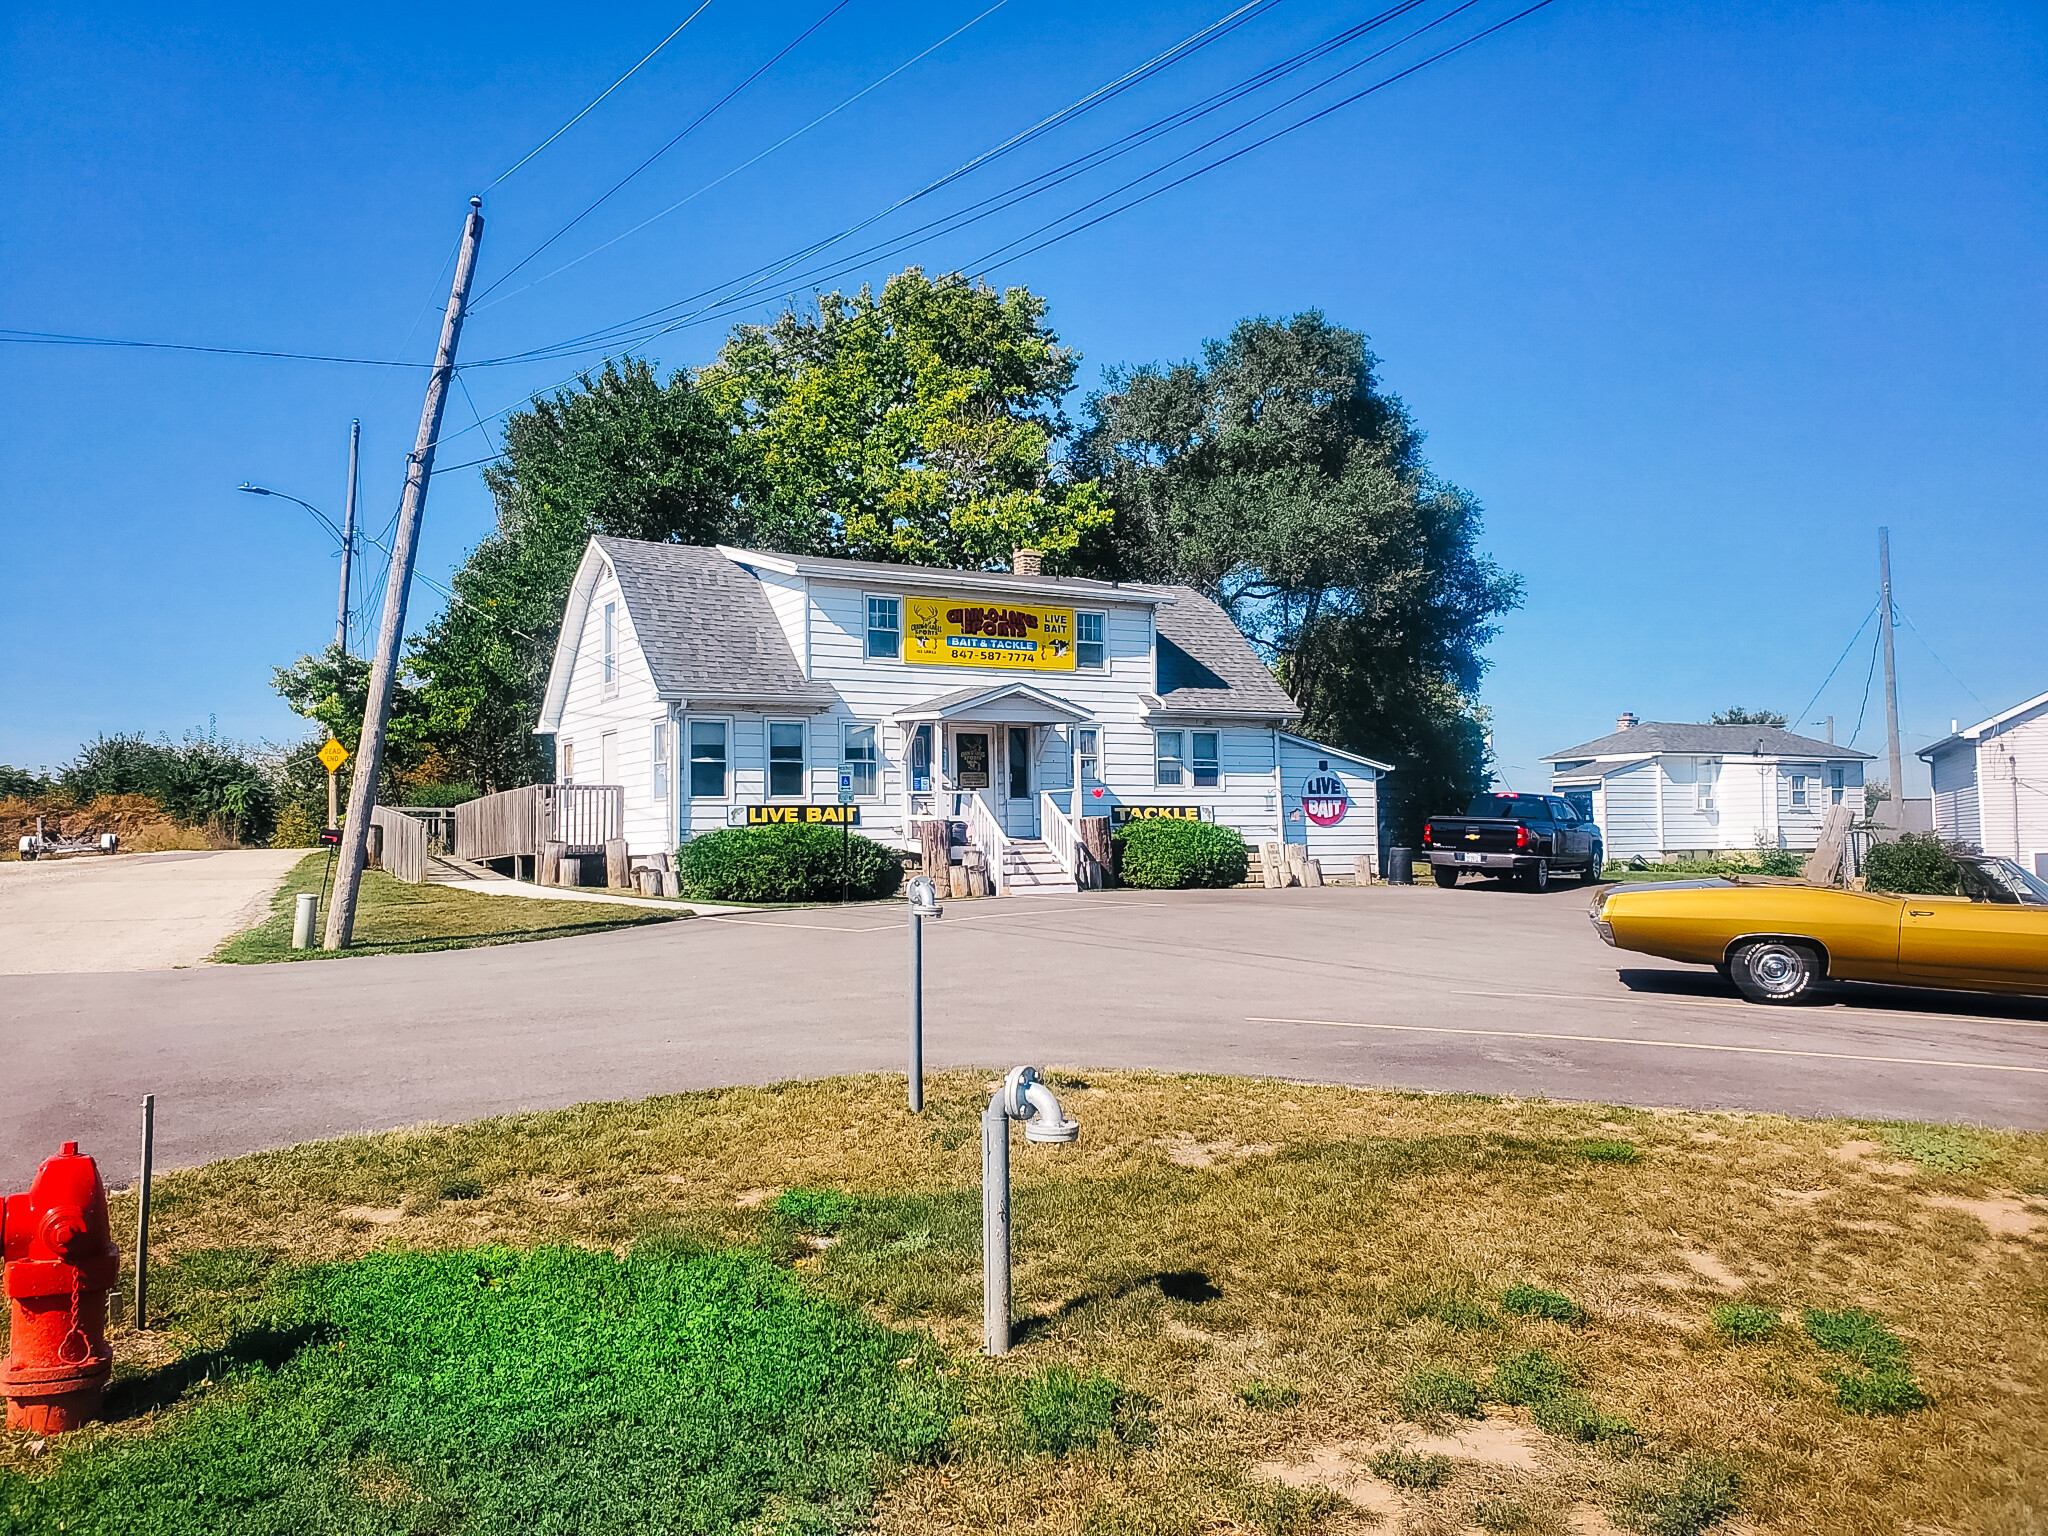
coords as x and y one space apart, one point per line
405 843
519 823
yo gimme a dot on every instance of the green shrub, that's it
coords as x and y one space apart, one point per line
1268 1395
1410 1469
432 797
788 863
1918 864
1746 1325
1534 1301
1434 1392
1167 854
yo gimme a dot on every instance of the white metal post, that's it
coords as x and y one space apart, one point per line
995 1230
916 1068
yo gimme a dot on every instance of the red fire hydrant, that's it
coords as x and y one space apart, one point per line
59 1263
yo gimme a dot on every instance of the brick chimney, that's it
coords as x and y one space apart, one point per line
1026 562
1625 721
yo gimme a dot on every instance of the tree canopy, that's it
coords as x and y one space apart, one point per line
1740 716
1277 475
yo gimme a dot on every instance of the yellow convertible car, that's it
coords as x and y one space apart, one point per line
1775 938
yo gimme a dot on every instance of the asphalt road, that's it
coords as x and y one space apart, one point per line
1480 989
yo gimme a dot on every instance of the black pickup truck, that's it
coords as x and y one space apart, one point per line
1523 837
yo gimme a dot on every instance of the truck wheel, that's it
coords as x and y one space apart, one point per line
1595 863
1537 877
1445 875
1773 971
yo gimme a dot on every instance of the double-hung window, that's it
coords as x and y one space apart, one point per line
611 649
785 759
1167 760
1088 644
859 763
1837 778
1799 783
707 759
1202 759
885 627
659 770
1087 748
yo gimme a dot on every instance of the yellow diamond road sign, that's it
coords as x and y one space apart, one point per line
333 755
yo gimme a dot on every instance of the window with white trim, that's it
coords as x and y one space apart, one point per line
1087 750
708 759
1706 771
858 761
659 771
565 762
611 649
1088 640
1799 783
1167 760
885 627
785 759
1203 760
1837 782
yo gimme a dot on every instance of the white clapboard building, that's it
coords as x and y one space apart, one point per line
721 686
1665 790
1991 784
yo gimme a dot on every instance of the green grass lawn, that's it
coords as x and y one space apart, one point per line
1244 1307
394 917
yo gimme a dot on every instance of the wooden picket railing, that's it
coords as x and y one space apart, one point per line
521 822
405 843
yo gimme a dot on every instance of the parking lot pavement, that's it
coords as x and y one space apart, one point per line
1480 989
132 911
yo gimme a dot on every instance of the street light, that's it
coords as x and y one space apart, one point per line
345 535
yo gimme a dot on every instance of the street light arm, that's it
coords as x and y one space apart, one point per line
325 521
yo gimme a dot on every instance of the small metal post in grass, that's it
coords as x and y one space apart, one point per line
142 1214
1021 1097
923 904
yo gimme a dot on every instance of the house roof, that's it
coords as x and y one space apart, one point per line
949 705
1324 749
1206 666
1971 734
704 625
1060 588
1705 741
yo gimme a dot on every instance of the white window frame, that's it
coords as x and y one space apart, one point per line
868 630
846 730
608 758
1802 796
610 654
803 776
1087 755
1838 785
689 764
930 730
1160 758
1706 775
565 761
1101 664
1194 763
658 770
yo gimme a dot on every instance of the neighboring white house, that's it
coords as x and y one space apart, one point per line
1663 790
1991 784
719 685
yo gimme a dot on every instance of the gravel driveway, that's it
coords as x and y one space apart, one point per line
134 911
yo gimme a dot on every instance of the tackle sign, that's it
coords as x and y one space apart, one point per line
946 632
803 815
1119 814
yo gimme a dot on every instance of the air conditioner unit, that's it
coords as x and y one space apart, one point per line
1706 803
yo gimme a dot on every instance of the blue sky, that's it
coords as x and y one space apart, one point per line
1692 299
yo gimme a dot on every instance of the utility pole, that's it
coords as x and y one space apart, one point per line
348 544
1897 816
362 794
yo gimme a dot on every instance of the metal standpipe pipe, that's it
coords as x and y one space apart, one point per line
304 911
924 903
1021 1097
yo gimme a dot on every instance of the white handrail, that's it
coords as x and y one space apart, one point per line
1062 837
984 833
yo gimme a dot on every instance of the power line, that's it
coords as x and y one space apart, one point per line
1800 718
764 154
1865 705
690 128
64 339
1936 655
629 74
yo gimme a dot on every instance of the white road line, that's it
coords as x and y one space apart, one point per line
1668 1045
1039 906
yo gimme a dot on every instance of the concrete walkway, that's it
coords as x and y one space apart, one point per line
132 911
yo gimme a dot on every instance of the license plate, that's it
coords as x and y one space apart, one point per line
1467 858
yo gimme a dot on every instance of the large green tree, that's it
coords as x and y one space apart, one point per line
1277 475
917 425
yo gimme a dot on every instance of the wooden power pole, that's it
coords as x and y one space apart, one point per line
348 544
362 794
1897 818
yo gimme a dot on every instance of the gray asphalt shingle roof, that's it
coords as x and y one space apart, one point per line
1205 662
703 623
1706 741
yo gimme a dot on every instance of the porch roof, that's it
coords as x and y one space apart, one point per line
1009 703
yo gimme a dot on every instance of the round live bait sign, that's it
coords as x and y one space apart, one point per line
1324 798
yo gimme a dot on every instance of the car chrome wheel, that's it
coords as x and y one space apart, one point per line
1773 971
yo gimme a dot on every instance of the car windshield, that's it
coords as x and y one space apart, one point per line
1512 807
2002 881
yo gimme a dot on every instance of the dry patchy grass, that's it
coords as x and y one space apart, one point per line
1270 1306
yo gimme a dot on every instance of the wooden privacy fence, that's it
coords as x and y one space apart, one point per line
519 823
404 843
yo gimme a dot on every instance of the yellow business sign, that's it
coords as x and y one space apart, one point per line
950 632
803 815
333 755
